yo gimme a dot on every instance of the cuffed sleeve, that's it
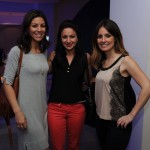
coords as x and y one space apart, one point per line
12 65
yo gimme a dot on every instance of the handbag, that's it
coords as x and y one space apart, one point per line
88 97
6 111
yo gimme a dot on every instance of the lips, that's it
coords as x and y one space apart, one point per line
39 35
68 45
104 45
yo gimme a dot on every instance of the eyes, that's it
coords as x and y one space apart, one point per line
37 25
100 36
64 37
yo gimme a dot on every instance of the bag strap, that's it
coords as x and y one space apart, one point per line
7 119
87 71
88 81
20 62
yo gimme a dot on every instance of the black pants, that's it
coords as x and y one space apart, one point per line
112 137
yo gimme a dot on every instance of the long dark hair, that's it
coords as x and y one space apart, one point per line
59 49
24 42
1 57
97 55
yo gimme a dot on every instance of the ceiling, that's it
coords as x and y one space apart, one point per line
31 1
24 1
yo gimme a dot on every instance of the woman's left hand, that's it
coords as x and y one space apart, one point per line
125 120
21 120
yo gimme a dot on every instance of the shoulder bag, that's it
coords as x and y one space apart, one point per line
6 111
88 97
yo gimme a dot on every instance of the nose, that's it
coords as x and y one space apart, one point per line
103 38
68 39
39 28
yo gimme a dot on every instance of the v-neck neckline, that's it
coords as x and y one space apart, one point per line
69 64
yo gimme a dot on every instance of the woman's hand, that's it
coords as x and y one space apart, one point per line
125 120
50 59
20 120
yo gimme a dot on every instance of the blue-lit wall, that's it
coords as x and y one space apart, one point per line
17 11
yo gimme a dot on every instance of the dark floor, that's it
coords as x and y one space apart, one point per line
88 141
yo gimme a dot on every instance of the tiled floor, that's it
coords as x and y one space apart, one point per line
88 141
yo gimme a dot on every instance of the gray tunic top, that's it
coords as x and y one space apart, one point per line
32 97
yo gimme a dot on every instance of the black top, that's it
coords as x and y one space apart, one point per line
67 79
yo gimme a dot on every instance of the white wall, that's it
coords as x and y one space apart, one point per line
133 18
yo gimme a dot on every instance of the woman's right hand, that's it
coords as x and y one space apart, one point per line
50 59
21 120
125 120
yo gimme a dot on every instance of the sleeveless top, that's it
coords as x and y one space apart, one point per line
67 79
114 95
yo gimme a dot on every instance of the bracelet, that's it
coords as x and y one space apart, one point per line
131 115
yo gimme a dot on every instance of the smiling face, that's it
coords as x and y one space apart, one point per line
69 39
37 29
105 40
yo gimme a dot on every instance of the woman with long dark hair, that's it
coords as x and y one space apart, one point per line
66 112
30 107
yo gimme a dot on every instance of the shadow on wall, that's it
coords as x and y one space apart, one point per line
8 36
88 18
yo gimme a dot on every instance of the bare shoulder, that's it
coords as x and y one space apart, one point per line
131 66
129 62
52 53
51 56
88 56
1 79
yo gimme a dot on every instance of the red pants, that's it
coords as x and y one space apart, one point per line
65 119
